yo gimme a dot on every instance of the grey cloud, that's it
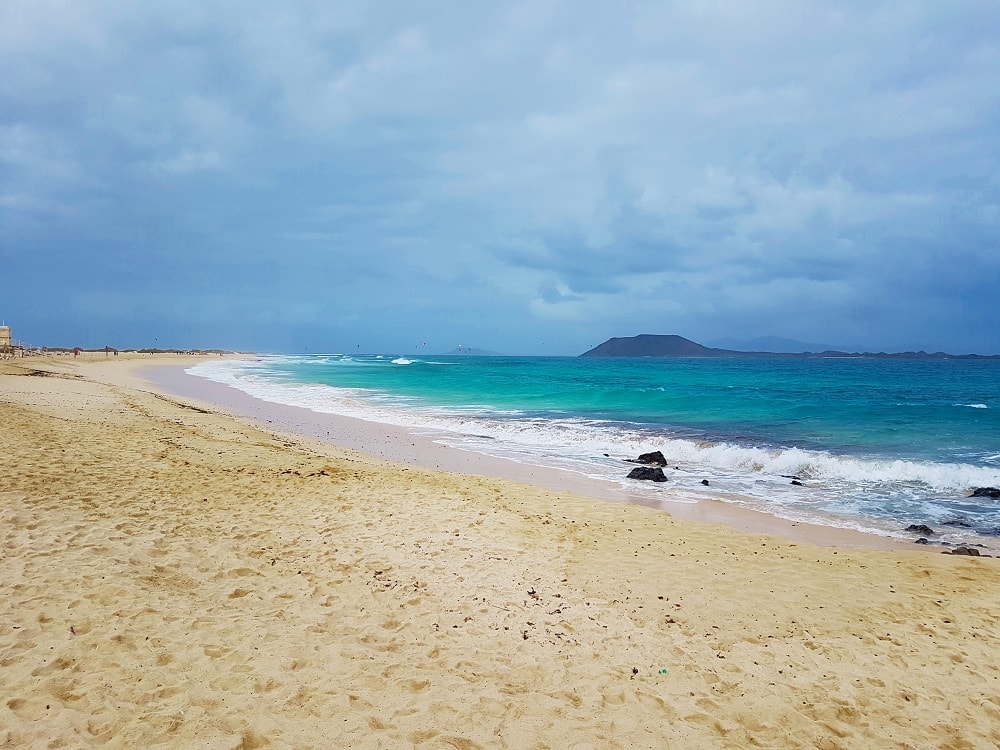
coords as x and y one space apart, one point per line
798 169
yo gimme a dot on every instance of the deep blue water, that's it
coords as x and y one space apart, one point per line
875 442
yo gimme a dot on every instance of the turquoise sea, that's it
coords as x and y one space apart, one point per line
877 444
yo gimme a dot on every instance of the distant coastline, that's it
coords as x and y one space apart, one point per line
672 345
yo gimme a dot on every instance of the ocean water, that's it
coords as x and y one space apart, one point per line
877 444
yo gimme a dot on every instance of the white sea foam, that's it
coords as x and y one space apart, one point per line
974 406
855 489
402 361
586 438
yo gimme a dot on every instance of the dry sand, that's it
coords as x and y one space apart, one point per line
173 577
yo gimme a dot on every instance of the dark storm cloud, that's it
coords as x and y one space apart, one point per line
307 176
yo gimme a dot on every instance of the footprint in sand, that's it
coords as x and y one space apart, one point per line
416 686
60 664
27 709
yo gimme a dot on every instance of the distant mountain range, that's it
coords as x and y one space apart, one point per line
652 345
779 345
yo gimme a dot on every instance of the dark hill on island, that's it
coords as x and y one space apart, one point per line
653 345
650 345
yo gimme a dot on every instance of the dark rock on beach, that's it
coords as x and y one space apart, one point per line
922 540
985 492
648 473
919 528
797 483
704 482
652 459
962 551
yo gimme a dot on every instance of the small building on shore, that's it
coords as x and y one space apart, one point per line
7 348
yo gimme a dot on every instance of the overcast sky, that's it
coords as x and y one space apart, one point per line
529 178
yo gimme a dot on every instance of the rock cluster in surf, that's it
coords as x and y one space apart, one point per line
652 471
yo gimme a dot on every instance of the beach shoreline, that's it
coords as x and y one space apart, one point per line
405 446
173 576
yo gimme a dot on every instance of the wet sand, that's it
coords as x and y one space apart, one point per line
400 445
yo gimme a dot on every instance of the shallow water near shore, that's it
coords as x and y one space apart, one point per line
875 444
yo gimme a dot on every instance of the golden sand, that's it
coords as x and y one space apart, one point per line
173 577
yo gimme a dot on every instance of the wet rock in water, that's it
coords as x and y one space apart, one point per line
957 522
797 483
654 458
922 540
648 474
704 482
920 528
985 492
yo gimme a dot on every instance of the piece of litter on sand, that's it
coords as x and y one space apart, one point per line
662 671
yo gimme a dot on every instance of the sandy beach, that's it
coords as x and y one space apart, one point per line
173 576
